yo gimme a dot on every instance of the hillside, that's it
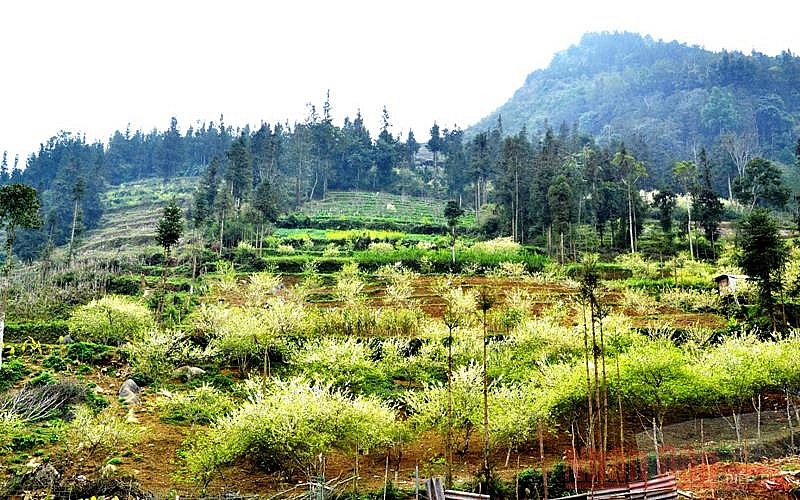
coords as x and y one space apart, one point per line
663 99
130 214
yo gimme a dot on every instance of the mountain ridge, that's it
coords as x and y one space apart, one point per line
663 99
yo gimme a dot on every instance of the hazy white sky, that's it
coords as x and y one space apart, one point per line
93 67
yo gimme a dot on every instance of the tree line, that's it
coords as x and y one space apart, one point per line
559 188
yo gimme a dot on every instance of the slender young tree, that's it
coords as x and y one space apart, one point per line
78 191
19 208
631 170
686 173
485 302
452 212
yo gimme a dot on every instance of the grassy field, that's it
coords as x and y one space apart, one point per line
379 207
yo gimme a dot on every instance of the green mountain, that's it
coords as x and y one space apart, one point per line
664 100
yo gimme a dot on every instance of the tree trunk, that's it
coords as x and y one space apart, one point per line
789 420
689 231
6 276
72 233
630 220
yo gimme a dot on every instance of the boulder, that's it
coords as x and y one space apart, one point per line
129 392
187 373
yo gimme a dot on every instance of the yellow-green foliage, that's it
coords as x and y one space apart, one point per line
639 302
791 274
498 246
225 278
287 426
380 246
513 411
239 334
638 266
692 300
398 321
201 405
349 285
510 270
105 432
541 340
260 287
399 283
460 304
10 427
110 320
344 363
154 356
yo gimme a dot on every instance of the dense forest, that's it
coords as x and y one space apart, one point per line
664 100
564 160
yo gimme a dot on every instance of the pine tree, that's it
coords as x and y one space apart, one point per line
5 177
169 228
763 256
239 174
19 208
435 144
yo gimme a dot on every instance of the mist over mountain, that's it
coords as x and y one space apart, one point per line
664 100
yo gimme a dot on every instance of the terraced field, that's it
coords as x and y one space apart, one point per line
379 207
131 212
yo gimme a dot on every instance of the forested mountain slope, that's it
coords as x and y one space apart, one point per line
664 100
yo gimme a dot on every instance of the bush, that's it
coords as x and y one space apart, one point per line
531 482
201 405
124 285
154 356
89 433
10 427
13 370
110 320
693 300
89 352
287 426
55 362
45 332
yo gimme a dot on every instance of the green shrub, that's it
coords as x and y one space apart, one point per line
124 285
88 433
89 352
154 357
10 428
13 370
45 332
95 401
110 320
174 307
55 362
201 405
531 482
43 378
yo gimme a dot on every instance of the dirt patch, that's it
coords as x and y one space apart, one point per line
739 480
